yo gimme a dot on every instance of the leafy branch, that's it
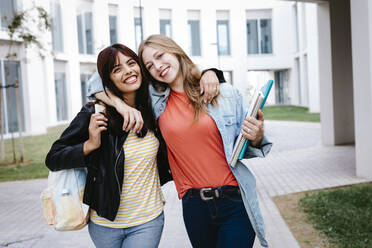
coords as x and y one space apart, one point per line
26 26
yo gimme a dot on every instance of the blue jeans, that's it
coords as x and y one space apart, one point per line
146 235
219 222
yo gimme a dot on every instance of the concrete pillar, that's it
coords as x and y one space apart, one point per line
312 56
335 71
69 13
361 22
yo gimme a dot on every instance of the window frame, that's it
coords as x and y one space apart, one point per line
194 50
163 26
6 94
14 5
227 24
85 48
259 35
57 43
115 17
64 114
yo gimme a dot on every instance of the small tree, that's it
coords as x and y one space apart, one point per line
24 27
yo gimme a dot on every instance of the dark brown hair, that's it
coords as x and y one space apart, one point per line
105 63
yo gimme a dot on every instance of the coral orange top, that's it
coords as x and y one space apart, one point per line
195 149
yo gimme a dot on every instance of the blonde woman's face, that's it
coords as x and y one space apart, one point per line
163 66
126 74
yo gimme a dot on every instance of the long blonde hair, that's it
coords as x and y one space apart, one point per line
189 71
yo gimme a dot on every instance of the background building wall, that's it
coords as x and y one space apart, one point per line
54 87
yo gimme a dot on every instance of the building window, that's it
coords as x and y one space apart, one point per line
10 75
281 87
266 44
57 32
61 96
165 22
165 28
85 32
138 27
7 9
252 36
84 84
223 33
138 31
194 32
113 23
113 29
259 33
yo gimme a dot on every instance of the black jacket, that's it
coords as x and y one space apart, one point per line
105 165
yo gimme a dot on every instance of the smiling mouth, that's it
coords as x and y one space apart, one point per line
131 80
164 72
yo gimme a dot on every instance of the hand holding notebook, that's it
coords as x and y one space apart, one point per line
257 102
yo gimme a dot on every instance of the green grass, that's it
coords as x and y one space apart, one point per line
290 113
344 215
35 150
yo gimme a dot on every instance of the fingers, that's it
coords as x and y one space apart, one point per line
201 89
139 122
210 91
260 115
98 118
207 93
210 85
131 121
98 123
250 127
125 119
246 133
102 128
254 121
249 132
204 98
253 129
101 123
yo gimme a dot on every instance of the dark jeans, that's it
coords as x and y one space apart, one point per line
221 222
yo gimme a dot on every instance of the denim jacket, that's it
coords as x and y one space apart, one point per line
228 115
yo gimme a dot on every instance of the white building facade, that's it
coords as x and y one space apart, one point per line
251 41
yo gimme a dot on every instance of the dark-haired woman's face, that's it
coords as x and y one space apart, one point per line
126 74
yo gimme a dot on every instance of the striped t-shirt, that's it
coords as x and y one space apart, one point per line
141 198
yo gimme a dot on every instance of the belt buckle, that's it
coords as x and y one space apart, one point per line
203 197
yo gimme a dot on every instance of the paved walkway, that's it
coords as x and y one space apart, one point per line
297 163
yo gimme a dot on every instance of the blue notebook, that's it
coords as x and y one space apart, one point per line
265 91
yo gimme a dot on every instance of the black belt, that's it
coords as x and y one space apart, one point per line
213 193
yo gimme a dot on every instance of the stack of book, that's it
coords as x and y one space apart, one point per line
257 102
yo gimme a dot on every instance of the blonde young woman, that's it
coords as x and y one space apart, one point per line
220 207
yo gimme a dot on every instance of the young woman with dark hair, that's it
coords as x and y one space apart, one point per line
125 169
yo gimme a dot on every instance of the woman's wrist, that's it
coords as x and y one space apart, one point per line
257 142
118 103
88 147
